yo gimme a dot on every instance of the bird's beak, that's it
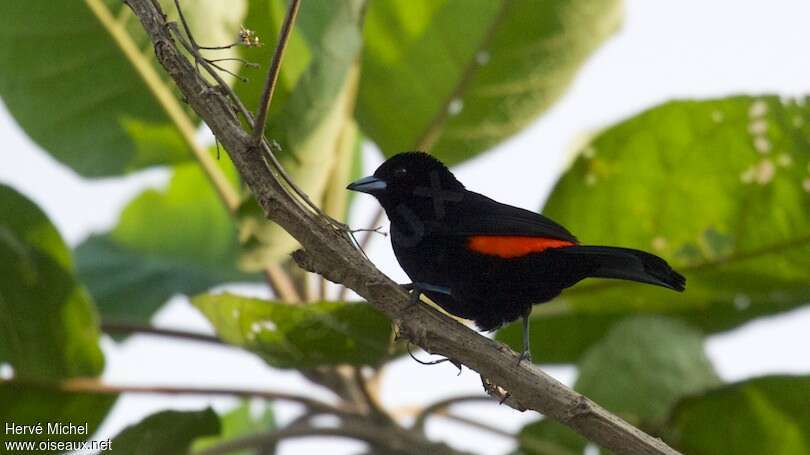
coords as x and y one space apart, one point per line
370 185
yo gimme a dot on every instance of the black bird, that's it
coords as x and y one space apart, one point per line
482 260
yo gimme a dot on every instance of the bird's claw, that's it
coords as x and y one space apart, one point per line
525 355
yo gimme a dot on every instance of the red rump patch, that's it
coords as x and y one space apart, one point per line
509 246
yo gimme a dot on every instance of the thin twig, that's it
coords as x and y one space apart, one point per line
92 385
364 241
412 411
277 278
477 424
441 405
219 48
393 439
235 59
127 328
272 73
370 400
301 199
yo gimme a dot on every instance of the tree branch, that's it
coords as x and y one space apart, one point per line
272 72
375 410
330 252
92 385
395 440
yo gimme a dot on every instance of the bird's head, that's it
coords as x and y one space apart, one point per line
413 179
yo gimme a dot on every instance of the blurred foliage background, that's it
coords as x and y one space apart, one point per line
718 187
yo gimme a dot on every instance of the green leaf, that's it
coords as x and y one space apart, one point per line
167 432
239 422
719 188
31 225
643 366
547 437
48 326
79 79
177 241
315 125
464 75
32 405
764 415
299 336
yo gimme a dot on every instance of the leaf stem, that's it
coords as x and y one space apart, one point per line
126 328
272 73
434 128
281 283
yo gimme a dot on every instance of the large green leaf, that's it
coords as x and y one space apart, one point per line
240 422
79 79
643 366
48 325
31 405
720 188
30 225
464 75
180 240
299 336
764 415
166 433
315 125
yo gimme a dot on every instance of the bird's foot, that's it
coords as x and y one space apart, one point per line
525 355
414 290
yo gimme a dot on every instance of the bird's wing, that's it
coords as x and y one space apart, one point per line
479 215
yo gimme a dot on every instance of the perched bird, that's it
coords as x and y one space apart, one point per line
483 260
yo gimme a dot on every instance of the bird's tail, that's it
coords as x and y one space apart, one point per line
628 264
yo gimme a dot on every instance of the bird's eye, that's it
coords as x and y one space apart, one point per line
400 172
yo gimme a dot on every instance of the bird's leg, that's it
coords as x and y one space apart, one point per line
527 353
414 290
417 289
